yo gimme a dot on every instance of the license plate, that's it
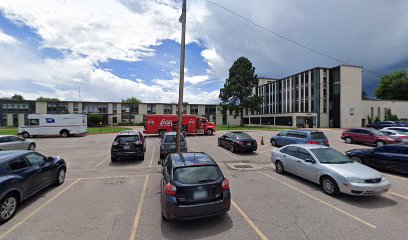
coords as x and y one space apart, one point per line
200 194
126 147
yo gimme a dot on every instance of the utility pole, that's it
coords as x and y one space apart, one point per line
182 19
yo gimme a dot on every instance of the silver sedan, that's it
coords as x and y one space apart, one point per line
332 170
9 142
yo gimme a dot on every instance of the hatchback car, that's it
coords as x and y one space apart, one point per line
396 133
9 142
193 187
24 173
238 141
299 137
368 136
168 144
331 169
391 157
128 144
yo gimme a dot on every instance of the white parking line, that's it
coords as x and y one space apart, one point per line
229 154
249 221
399 195
321 201
151 160
139 211
394 176
97 165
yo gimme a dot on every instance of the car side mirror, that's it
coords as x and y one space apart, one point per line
309 160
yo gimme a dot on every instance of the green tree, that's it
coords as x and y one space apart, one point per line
94 119
15 97
237 93
44 99
132 100
393 86
389 116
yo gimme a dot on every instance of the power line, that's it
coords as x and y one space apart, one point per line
286 38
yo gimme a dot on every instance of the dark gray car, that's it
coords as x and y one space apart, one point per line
9 142
168 144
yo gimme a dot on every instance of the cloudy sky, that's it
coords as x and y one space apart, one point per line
113 49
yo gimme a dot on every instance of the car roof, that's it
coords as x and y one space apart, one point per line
183 159
6 155
235 132
304 130
308 146
170 133
129 132
7 136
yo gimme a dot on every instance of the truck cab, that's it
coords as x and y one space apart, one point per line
204 126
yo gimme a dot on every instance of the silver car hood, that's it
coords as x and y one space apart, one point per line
354 170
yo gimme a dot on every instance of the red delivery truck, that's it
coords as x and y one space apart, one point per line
191 124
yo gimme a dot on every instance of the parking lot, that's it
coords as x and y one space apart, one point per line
104 200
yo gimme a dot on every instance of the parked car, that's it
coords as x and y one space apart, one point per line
24 173
403 129
391 157
402 124
396 133
368 136
168 144
238 141
128 144
9 142
332 170
381 125
192 187
299 137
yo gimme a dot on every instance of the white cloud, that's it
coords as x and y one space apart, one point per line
173 62
7 39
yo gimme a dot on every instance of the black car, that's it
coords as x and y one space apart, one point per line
380 125
193 187
24 173
238 141
128 144
389 157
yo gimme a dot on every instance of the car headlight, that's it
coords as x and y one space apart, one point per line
355 180
383 179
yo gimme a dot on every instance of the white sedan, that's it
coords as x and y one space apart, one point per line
332 170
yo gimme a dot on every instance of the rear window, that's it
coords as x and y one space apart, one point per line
242 136
197 174
172 139
126 139
317 136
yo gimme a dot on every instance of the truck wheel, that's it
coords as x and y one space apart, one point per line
25 135
209 132
64 133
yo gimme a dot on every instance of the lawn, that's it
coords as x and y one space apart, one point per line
91 130
239 128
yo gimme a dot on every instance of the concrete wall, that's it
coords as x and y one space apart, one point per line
350 96
21 119
41 107
110 106
143 108
159 108
324 120
9 120
232 121
201 110
71 107
138 118
110 120
399 108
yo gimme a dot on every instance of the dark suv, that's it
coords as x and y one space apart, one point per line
128 144
368 136
380 125
192 187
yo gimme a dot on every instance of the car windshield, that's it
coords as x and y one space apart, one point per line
197 174
126 139
317 136
330 156
401 132
242 136
172 139
377 132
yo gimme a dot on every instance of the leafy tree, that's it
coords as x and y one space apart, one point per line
132 100
44 99
94 119
15 97
389 116
393 86
369 119
377 119
237 93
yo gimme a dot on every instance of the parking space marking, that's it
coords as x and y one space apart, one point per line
112 177
249 221
220 148
322 201
394 176
151 160
399 195
139 210
97 165
18 224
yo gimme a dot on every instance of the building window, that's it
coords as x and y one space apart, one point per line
75 107
168 109
21 107
324 106
130 109
194 109
151 108
57 107
114 108
115 120
95 108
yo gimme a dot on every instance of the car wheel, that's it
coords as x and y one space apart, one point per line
219 143
60 177
31 146
209 131
232 148
329 186
348 140
113 159
279 167
273 142
64 134
8 207
380 143
142 157
356 159
25 135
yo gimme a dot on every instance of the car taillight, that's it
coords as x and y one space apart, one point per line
171 190
138 142
115 143
312 142
225 184
326 142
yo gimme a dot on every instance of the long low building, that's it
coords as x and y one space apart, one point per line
320 97
13 113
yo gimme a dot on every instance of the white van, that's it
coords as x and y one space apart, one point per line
53 124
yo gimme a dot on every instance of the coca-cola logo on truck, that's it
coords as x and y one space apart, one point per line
166 123
150 122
